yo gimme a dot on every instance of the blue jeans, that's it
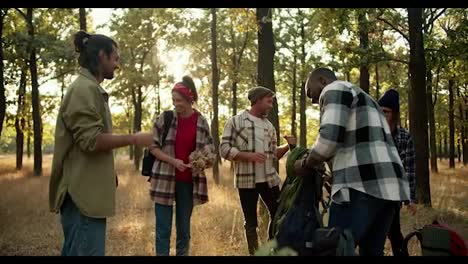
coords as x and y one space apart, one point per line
369 219
84 236
163 213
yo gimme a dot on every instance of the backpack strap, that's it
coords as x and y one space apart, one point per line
168 116
416 233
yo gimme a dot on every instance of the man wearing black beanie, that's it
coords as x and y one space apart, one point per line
390 105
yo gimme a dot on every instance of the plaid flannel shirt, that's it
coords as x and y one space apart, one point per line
405 147
162 183
355 135
238 136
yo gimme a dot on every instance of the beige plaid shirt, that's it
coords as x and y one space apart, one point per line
238 136
162 187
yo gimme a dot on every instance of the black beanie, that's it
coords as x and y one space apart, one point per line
390 99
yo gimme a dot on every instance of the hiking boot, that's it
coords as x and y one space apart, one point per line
252 239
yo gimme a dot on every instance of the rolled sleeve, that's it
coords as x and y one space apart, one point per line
227 148
82 118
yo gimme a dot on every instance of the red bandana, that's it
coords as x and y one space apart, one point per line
184 91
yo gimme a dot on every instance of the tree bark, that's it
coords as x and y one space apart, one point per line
418 108
214 93
83 19
363 25
37 121
137 117
265 65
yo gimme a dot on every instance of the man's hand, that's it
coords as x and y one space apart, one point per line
298 169
180 165
256 157
292 141
412 208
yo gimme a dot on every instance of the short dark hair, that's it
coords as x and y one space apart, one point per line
324 72
89 45
187 81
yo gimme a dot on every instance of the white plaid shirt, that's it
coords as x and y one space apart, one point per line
238 136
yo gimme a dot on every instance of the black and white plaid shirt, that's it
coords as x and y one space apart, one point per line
355 135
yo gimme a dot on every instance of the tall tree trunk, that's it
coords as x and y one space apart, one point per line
446 145
303 97
440 150
37 121
377 82
28 133
430 110
465 129
293 99
137 152
451 125
83 19
461 125
348 76
3 13
265 65
418 108
19 121
363 25
214 93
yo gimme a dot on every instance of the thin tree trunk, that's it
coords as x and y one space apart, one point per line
446 145
451 125
214 93
465 129
19 121
137 152
83 19
377 81
302 99
293 99
28 133
3 12
432 134
37 121
418 108
363 25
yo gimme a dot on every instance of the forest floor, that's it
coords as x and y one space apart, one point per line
28 228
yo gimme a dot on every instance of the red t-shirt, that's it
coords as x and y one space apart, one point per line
185 141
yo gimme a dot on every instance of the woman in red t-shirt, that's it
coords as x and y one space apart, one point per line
172 179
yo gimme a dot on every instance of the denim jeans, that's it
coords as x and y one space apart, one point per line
369 219
163 213
84 236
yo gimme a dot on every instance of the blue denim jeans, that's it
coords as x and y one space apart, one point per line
163 213
369 219
84 236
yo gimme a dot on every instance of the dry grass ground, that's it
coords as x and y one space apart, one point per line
28 228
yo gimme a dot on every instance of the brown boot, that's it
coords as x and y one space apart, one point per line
252 239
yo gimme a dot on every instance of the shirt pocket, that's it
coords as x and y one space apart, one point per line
242 139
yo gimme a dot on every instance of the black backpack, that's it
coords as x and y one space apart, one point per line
148 158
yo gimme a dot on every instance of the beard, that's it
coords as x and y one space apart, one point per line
109 75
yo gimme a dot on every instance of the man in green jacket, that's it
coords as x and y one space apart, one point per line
83 180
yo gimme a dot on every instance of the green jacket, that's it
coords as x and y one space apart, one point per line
88 176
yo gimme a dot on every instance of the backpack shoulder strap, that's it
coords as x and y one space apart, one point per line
416 233
168 116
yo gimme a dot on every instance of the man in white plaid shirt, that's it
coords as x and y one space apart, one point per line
368 177
249 139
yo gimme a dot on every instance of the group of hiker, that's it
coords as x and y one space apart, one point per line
371 158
